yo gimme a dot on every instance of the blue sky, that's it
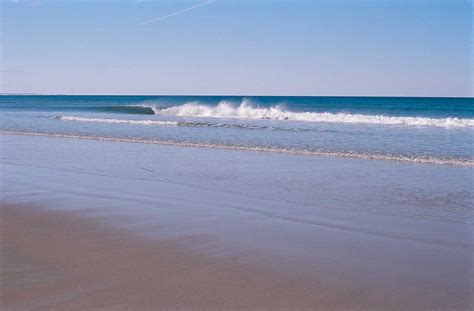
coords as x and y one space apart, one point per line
389 48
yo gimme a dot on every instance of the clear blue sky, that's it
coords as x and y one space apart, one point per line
399 48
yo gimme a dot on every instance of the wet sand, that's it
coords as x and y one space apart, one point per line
101 225
63 261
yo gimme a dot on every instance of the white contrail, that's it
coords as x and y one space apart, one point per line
175 13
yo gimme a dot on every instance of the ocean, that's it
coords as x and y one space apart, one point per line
417 130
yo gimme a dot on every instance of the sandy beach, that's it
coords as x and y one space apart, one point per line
59 260
146 227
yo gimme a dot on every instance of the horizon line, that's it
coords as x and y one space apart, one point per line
230 95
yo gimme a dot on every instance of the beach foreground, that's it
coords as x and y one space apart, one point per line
105 225
58 260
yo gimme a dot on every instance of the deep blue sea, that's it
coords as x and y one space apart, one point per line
416 130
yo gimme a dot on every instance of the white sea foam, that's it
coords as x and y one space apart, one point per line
321 153
248 111
175 123
121 121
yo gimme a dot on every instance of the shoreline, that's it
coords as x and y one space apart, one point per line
329 154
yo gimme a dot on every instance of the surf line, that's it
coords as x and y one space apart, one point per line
316 153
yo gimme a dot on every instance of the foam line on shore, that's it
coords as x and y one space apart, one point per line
320 153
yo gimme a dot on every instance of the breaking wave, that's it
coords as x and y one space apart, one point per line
246 110
321 153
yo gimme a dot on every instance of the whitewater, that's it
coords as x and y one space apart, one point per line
118 121
247 110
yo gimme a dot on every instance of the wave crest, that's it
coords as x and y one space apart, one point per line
247 110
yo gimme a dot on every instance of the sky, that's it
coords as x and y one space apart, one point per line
224 47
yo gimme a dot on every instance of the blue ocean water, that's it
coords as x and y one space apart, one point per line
417 130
